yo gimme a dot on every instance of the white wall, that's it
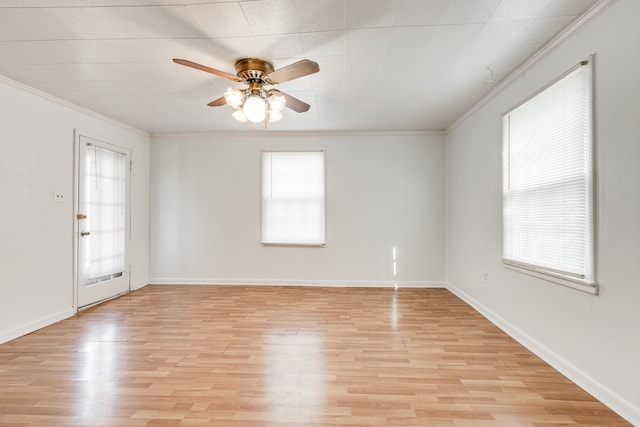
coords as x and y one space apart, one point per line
595 340
382 190
36 235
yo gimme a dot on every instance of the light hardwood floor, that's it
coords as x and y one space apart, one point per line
284 356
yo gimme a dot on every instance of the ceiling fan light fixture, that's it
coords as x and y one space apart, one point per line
255 108
233 97
275 116
239 115
277 102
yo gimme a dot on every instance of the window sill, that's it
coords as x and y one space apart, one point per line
550 277
300 245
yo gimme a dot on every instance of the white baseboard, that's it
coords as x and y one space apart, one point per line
618 404
33 326
289 282
139 285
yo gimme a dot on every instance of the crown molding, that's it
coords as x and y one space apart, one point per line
67 104
585 19
297 133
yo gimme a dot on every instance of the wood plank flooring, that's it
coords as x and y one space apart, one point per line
284 356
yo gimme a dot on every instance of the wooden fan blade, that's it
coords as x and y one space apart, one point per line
207 69
295 104
290 72
218 102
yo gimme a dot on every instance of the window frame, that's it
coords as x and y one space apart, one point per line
323 241
587 282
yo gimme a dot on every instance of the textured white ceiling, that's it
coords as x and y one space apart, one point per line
384 64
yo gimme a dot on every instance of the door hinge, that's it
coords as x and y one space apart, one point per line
130 165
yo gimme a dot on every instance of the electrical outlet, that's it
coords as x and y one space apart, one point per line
58 196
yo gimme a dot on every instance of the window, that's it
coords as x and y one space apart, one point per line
104 202
548 228
293 198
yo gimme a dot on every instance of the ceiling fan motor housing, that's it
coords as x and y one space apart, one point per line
253 69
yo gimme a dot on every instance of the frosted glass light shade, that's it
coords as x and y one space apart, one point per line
233 97
254 108
275 116
277 102
239 115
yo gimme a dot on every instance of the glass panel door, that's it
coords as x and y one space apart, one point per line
103 221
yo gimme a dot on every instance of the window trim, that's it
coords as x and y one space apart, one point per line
574 281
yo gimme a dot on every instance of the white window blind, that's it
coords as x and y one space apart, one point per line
293 198
105 199
548 181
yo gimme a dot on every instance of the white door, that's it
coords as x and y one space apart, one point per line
103 221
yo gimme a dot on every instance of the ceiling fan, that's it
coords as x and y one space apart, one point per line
255 103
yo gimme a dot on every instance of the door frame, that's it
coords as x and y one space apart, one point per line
77 136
